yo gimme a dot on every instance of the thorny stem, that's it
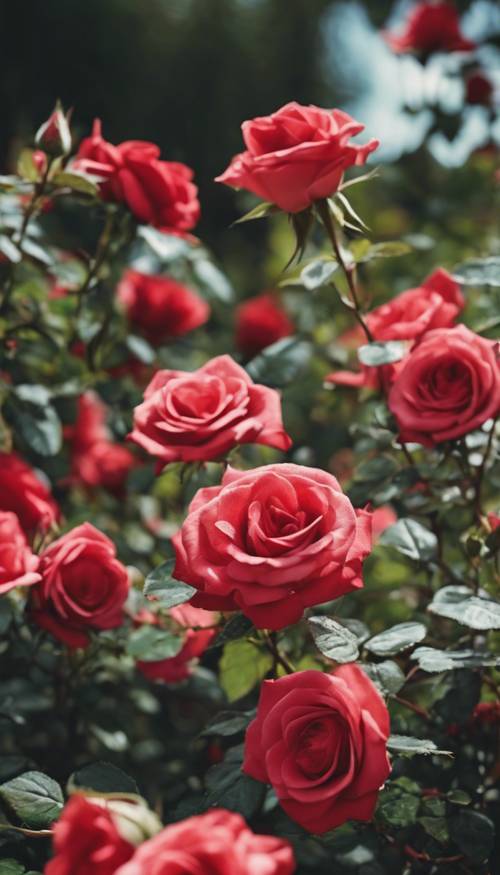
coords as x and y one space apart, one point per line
348 272
31 833
98 260
412 707
270 639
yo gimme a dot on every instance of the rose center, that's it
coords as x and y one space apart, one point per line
319 745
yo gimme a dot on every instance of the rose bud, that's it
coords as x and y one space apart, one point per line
54 136
261 321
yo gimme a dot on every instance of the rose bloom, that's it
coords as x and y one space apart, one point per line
430 27
271 542
18 565
160 306
96 460
479 89
196 641
215 843
201 415
320 741
158 193
25 495
86 839
297 155
408 316
493 519
448 386
83 586
261 321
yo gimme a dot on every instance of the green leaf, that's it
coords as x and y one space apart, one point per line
261 211
473 833
38 424
458 797
432 660
35 799
457 603
410 538
395 639
167 247
399 802
238 626
318 272
228 787
160 586
389 249
140 349
333 640
280 363
386 675
241 667
479 272
151 644
214 281
437 827
11 867
78 182
9 249
228 723
407 746
381 352
26 166
102 777
376 469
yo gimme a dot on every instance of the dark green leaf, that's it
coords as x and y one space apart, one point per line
9 249
214 281
405 745
386 675
457 603
238 626
161 586
381 352
259 212
436 827
473 833
397 638
140 349
411 538
318 272
228 787
399 802
389 249
150 643
79 182
11 867
166 247
333 640
35 799
432 660
102 778
280 363
479 272
228 723
39 426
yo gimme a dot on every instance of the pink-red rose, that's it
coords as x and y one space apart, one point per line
408 316
201 415
161 307
216 843
83 586
24 494
261 321
320 741
158 193
448 386
297 155
271 542
430 27
86 839
18 565
196 641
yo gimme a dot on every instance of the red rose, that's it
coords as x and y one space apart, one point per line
297 155
430 27
160 306
218 842
178 667
320 741
159 193
271 542
25 495
96 460
260 322
478 89
86 839
448 386
83 586
408 316
493 519
201 415
18 565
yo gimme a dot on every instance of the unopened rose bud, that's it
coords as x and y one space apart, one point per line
134 820
54 136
